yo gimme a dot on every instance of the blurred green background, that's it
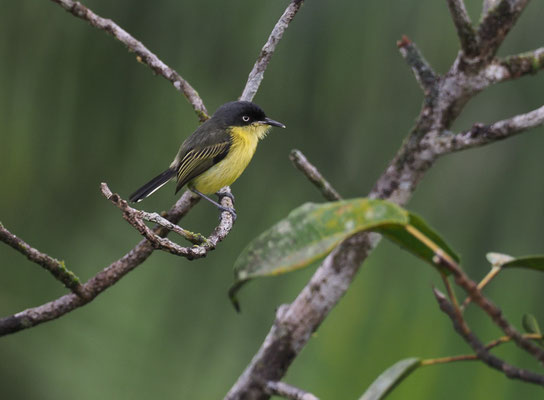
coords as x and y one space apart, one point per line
76 109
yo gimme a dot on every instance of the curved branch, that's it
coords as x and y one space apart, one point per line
135 218
143 55
257 73
97 284
56 267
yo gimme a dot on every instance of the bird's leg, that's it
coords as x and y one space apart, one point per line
215 203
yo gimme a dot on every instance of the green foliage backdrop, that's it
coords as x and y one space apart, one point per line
76 109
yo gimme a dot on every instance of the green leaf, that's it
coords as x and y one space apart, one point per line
311 231
390 378
530 262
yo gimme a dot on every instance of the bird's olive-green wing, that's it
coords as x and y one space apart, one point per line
198 160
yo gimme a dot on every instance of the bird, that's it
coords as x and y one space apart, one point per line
216 153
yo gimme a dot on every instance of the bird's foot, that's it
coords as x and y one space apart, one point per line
220 196
229 210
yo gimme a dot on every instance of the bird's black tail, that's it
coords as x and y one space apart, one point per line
154 184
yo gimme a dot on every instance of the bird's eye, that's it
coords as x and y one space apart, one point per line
245 118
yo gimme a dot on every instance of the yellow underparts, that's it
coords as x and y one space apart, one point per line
226 171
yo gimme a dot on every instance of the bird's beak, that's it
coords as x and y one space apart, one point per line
271 122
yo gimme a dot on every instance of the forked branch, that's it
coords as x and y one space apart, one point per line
481 350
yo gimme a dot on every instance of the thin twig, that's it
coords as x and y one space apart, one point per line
422 70
54 266
481 351
471 288
474 357
465 30
135 218
312 173
97 284
493 272
287 391
453 300
257 73
143 55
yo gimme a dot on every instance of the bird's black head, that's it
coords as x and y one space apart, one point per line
243 113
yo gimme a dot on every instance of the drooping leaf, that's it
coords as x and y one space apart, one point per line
390 378
311 231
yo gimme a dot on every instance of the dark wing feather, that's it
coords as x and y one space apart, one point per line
199 160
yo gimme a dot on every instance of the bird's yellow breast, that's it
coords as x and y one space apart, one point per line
225 172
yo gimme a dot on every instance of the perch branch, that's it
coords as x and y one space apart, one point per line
135 218
463 25
54 266
481 351
287 391
143 55
97 284
313 174
257 73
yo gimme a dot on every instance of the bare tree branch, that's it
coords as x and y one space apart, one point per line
465 30
257 73
287 391
143 55
97 284
313 174
135 218
481 135
56 267
481 351
423 72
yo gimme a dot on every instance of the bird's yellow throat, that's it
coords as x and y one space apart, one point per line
225 172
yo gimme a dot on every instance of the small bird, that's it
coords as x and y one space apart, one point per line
216 154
